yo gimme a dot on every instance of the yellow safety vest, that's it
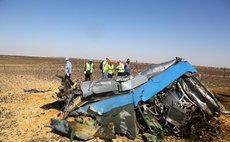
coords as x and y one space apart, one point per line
89 67
121 68
109 68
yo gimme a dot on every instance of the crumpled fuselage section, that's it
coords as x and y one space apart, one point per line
163 99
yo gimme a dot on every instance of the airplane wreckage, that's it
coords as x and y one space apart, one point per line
166 98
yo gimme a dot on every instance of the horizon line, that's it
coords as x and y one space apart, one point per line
37 56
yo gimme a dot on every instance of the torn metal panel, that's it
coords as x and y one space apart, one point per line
85 87
100 86
133 83
123 78
147 118
211 102
123 119
72 105
158 68
61 126
205 102
106 104
176 116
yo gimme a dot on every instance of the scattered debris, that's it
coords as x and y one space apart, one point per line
163 99
36 90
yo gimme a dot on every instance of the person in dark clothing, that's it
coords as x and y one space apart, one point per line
88 70
127 67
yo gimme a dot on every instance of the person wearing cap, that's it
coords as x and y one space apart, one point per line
109 69
103 64
88 70
127 67
120 69
68 70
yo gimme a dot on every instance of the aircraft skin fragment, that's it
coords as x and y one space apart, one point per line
143 92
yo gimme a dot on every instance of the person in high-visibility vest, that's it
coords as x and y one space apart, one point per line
109 68
102 67
88 70
120 69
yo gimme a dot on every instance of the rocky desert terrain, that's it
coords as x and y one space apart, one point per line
25 116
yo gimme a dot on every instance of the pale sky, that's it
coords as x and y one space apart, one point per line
150 31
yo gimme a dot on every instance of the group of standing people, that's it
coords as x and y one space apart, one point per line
106 66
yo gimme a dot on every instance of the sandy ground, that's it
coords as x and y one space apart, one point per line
26 116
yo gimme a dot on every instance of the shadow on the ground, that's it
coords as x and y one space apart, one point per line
58 105
224 99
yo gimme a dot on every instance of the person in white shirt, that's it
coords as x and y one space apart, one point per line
102 67
68 70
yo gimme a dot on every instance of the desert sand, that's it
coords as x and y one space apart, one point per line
26 116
